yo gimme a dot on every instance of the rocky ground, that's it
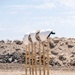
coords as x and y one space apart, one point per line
62 56
62 51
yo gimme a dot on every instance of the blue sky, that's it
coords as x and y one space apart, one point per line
18 17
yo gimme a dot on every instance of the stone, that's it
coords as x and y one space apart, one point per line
62 57
18 42
1 46
56 40
54 52
52 44
17 49
2 41
54 62
70 44
72 62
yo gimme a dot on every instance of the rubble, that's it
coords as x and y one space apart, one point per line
62 51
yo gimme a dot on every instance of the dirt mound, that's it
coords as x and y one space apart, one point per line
12 51
62 51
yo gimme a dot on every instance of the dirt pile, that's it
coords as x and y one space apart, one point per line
62 51
12 51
